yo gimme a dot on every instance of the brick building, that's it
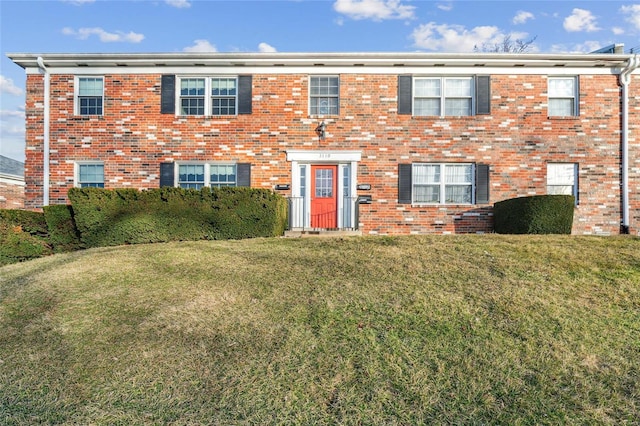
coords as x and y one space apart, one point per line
385 143
11 183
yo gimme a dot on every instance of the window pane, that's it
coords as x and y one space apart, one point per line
427 107
90 86
323 95
192 106
222 175
426 194
561 174
458 173
426 173
91 175
460 107
427 87
458 194
192 87
191 176
562 87
561 107
458 87
223 106
223 86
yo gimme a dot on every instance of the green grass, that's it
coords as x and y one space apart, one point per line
373 331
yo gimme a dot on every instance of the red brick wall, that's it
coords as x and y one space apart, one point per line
516 140
11 194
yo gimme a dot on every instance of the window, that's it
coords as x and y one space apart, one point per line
89 95
324 95
443 96
195 176
442 183
562 179
563 95
90 175
222 99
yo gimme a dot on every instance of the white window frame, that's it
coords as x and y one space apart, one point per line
208 96
207 173
442 97
336 96
566 175
442 184
573 97
76 95
76 174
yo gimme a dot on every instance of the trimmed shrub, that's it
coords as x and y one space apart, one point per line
63 235
128 216
23 236
538 214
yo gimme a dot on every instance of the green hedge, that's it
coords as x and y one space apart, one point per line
128 216
23 236
63 235
539 214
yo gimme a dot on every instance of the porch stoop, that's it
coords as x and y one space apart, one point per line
322 233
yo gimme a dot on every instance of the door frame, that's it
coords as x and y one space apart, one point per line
304 159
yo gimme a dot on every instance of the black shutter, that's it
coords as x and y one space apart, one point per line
244 174
404 183
168 94
166 174
244 94
404 94
482 183
483 94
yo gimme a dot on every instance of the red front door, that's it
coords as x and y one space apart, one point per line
324 198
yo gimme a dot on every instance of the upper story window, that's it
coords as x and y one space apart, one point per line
563 96
90 175
324 95
208 96
443 96
89 95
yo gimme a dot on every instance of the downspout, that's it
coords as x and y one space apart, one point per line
625 81
45 166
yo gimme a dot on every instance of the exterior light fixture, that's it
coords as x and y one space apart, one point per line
320 130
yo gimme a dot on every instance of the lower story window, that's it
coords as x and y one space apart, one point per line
195 176
562 179
442 183
90 175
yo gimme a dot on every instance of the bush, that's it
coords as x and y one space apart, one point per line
128 216
63 235
23 236
539 214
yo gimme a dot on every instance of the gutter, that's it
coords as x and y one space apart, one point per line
625 81
45 166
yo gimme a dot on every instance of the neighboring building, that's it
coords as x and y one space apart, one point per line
386 143
11 183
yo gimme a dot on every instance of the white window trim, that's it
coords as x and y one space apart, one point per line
76 171
576 101
443 184
207 171
76 95
208 97
310 96
443 79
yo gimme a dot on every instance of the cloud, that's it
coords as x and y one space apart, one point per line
376 10
201 46
12 130
104 36
78 2
180 4
585 47
633 12
617 30
455 38
580 20
522 17
7 86
446 7
267 48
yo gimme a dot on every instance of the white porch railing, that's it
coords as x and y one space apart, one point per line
300 217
